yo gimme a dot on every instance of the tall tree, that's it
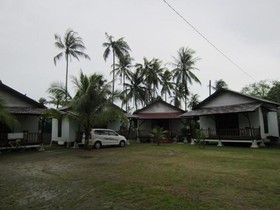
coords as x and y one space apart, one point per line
135 90
194 101
258 89
71 46
184 65
274 92
152 70
119 49
123 70
167 85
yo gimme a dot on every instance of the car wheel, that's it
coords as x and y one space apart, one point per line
122 144
97 145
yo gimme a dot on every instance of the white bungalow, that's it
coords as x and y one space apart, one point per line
67 130
229 116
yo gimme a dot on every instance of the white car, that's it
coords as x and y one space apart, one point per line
106 137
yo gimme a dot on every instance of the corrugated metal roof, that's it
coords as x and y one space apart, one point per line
249 107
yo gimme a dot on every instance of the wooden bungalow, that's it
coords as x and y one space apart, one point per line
229 116
25 133
159 114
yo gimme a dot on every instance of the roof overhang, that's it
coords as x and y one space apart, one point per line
164 115
240 108
25 110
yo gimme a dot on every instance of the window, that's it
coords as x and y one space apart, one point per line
112 133
59 128
265 120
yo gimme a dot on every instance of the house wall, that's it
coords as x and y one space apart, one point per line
68 132
27 123
254 120
145 127
159 107
13 101
273 124
116 125
176 124
207 122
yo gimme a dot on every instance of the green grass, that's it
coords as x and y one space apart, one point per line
141 176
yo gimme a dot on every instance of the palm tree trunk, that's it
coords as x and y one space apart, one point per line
124 89
113 87
66 80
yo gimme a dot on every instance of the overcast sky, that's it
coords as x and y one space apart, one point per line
247 31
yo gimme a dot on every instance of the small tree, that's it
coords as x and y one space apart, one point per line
158 133
200 137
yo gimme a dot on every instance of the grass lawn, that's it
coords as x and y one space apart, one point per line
141 176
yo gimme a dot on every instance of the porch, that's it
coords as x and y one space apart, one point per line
232 134
25 140
144 135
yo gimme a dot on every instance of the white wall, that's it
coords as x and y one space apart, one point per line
273 124
116 125
27 123
68 132
254 120
207 122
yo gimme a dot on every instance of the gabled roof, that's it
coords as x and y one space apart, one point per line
222 91
33 106
201 110
171 112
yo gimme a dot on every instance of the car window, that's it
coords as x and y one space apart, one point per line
112 133
100 132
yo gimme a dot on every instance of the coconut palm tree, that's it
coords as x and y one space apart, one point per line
184 65
135 90
151 72
119 49
167 86
122 70
194 101
220 84
57 94
178 94
71 46
91 103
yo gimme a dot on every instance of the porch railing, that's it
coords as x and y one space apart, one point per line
26 139
244 133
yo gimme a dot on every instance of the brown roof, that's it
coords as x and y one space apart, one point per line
163 115
249 107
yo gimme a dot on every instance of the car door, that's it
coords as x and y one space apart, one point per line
114 140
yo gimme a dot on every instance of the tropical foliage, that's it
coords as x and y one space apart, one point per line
220 84
183 74
119 49
57 94
91 104
72 46
5 117
158 134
